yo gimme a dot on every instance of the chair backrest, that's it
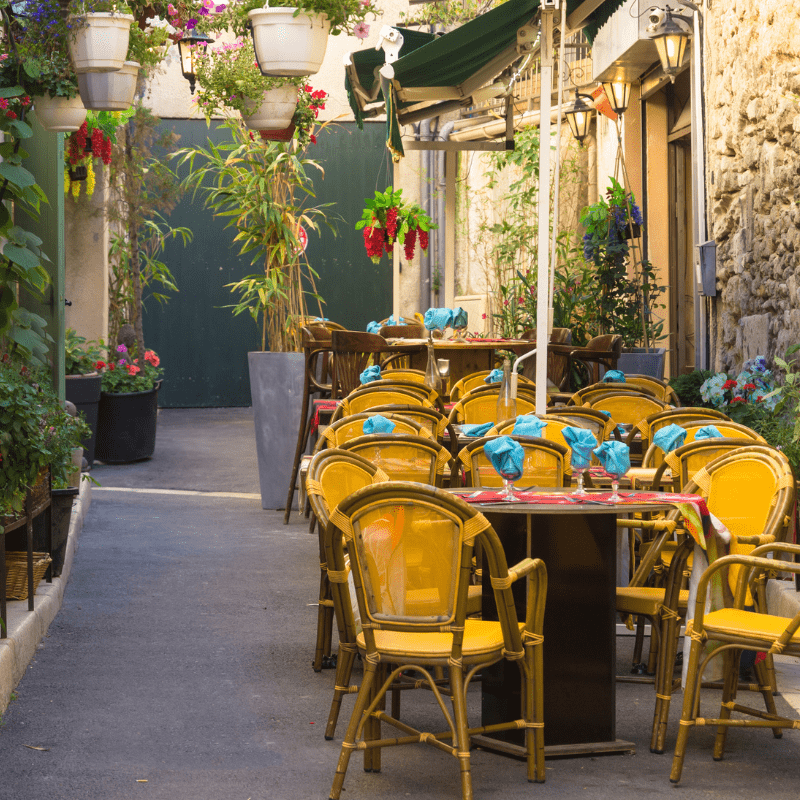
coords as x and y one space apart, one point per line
601 351
429 419
731 430
410 331
391 382
545 463
353 351
662 390
316 342
333 475
588 394
678 416
403 457
482 407
553 430
351 427
599 424
628 409
404 374
410 549
363 400
476 380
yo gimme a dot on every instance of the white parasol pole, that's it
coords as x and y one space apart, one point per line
543 277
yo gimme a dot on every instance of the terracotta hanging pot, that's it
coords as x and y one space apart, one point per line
275 111
65 114
100 41
109 91
281 135
289 45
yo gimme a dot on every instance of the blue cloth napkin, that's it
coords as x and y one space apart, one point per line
581 442
528 425
480 429
707 432
506 456
378 424
370 374
393 321
615 376
615 457
620 430
460 318
374 327
438 318
495 376
670 437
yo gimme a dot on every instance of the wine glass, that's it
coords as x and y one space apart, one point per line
615 496
581 467
508 487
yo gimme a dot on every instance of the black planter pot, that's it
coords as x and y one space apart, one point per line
84 391
637 231
61 511
126 426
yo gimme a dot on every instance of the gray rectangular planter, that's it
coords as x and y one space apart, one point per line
637 361
276 384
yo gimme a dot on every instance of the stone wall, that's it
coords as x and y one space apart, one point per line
752 89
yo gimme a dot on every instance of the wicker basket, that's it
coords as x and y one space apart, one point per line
17 573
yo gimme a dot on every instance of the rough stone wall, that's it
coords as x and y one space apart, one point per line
752 89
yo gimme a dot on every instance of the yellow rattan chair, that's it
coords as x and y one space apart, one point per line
481 407
553 430
404 374
588 394
678 416
732 630
405 458
663 391
351 427
410 551
545 464
476 380
751 491
360 401
599 424
628 409
431 420
333 475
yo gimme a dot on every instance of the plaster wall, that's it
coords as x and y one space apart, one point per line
752 83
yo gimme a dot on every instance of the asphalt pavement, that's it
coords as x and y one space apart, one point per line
179 666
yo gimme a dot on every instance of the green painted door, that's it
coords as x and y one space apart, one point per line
202 346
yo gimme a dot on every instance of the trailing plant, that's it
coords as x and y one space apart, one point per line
265 191
387 219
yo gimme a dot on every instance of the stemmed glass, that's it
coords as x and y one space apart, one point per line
508 487
579 466
615 497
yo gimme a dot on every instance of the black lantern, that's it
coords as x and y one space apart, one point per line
618 93
579 117
187 46
670 32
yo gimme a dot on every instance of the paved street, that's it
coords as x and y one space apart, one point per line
179 665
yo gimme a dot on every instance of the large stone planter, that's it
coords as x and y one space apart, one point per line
638 361
126 426
276 385
289 45
84 392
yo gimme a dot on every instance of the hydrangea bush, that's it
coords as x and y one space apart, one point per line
736 397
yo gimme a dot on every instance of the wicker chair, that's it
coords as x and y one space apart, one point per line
663 391
431 420
410 551
678 416
351 427
353 352
482 407
332 476
404 374
588 394
735 629
476 380
601 351
557 357
385 392
553 430
600 425
545 463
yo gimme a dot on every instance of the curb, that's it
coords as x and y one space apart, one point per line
27 628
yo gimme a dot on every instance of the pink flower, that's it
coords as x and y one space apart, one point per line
133 370
219 9
191 24
361 30
172 11
3 103
121 348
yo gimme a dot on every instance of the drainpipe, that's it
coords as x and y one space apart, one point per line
441 214
425 201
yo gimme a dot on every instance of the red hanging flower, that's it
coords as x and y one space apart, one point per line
410 243
423 239
391 222
105 153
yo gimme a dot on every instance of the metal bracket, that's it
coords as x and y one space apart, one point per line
526 37
390 40
554 4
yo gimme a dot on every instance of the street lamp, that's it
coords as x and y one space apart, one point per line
618 93
579 117
670 32
187 47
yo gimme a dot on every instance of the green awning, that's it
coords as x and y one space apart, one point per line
437 70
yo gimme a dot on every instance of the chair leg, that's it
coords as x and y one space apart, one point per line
765 675
730 660
534 712
670 636
344 669
459 700
687 713
302 441
348 745
638 644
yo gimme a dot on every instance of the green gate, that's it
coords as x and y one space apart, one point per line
203 347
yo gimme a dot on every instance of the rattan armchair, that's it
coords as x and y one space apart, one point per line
478 407
410 550
343 430
353 352
476 380
646 427
601 351
588 394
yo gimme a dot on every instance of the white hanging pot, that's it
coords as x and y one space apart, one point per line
275 111
286 45
109 91
99 41
64 114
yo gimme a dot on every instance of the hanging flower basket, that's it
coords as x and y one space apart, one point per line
63 114
275 111
289 45
79 173
100 41
280 135
109 91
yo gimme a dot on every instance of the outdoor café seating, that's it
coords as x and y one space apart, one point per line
415 619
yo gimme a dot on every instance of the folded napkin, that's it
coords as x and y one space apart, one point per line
480 429
374 327
581 442
615 457
614 376
707 432
669 438
620 430
393 321
506 456
370 374
438 318
378 424
460 318
495 376
528 425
